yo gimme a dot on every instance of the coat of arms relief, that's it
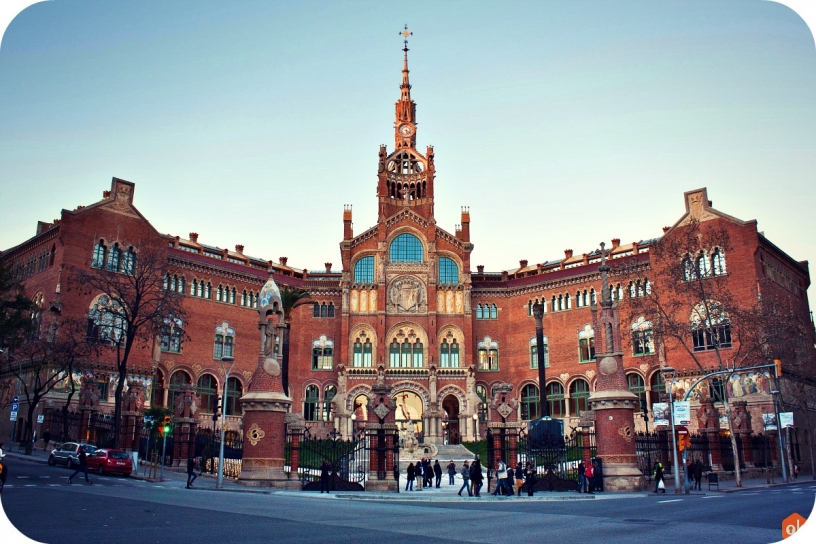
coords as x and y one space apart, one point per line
407 295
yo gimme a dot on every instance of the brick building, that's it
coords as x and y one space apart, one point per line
405 304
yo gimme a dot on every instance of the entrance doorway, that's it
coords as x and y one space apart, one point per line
450 427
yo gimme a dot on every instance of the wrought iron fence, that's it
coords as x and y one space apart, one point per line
348 459
206 450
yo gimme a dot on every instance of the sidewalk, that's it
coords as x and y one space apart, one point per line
176 477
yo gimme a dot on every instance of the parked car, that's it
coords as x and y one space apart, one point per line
105 460
68 454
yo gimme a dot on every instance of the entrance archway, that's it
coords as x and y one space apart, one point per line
409 410
450 427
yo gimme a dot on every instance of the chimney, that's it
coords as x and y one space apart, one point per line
176 241
480 269
568 254
283 260
523 263
635 248
586 258
42 226
457 231
666 229
239 248
194 237
615 243
504 275
348 227
105 194
465 236
328 267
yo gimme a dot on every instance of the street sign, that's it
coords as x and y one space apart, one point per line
13 416
15 399
786 419
15 407
682 412
681 430
41 418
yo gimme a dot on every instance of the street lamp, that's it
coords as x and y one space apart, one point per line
672 371
476 425
782 450
225 359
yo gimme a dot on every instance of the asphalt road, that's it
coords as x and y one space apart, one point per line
41 504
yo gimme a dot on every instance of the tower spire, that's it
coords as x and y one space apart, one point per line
405 109
405 88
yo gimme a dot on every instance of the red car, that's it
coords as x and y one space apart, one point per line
105 460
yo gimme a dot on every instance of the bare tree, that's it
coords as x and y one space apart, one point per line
134 307
690 300
40 363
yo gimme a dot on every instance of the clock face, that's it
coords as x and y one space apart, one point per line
405 130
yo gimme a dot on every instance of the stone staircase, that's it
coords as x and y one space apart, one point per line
445 453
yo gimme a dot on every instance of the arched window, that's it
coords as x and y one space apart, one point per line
234 392
534 353
181 285
494 312
364 270
406 248
560 303
328 394
316 309
578 299
703 267
208 392
324 310
592 299
171 333
219 294
406 352
579 393
642 337
224 338
129 263
638 388
718 262
689 272
448 271
178 379
99 253
208 291
632 290
114 258
482 394
586 344
157 394
710 327
488 355
322 354
716 389
530 402
479 314
106 321
331 309
449 353
567 302
310 402
555 399
231 292
657 388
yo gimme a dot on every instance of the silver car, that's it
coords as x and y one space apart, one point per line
68 454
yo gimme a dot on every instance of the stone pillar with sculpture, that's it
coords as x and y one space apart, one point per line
184 423
708 423
503 426
741 423
381 429
88 408
612 402
132 405
265 405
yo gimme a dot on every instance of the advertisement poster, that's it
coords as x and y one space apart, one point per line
769 421
682 412
661 413
786 419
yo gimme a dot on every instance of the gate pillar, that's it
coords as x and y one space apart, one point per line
381 429
708 422
184 422
132 406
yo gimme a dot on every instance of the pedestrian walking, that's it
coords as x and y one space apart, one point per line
427 471
589 475
519 476
191 475
420 477
501 480
409 485
46 439
83 465
325 476
476 477
530 479
660 485
582 483
437 470
451 472
465 479
697 468
597 474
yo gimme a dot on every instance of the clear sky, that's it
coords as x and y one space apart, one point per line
560 123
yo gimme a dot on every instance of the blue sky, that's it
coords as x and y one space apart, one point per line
560 123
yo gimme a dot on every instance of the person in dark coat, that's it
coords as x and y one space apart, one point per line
325 476
427 471
698 474
83 465
658 476
582 483
191 475
530 479
437 469
476 477
451 472
518 474
409 473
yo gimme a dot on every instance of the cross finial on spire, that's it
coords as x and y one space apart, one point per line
606 295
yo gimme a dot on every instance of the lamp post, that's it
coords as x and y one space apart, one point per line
671 370
219 484
779 437
476 425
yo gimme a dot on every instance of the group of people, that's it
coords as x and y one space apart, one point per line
426 475
506 476
590 478
694 474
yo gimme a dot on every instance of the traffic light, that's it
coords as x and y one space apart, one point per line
683 441
165 425
778 364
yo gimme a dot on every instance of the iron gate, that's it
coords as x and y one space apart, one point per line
348 459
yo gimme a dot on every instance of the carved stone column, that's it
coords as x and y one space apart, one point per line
184 422
708 421
88 408
132 405
741 423
381 429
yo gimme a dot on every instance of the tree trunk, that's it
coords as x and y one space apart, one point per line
117 406
737 472
29 426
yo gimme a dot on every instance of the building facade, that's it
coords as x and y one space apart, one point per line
405 307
